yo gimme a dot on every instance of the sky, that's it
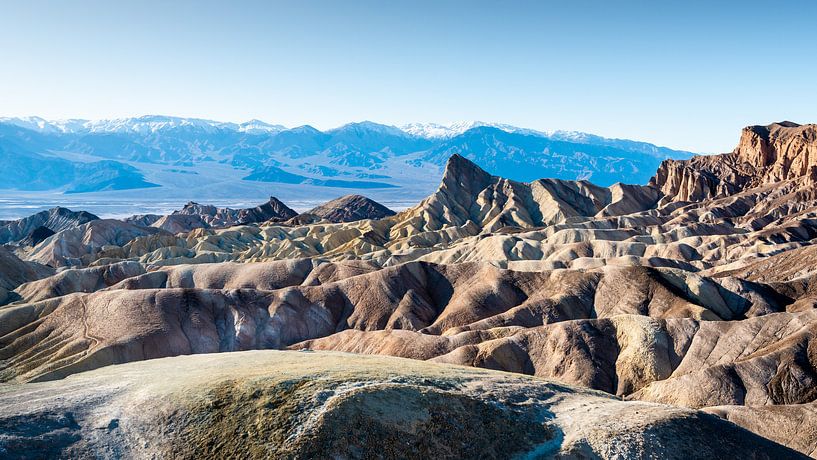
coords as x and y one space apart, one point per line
683 74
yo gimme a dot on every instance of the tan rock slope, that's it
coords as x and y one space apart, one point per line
79 280
697 290
326 405
82 245
14 272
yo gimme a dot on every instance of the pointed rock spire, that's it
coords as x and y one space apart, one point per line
465 176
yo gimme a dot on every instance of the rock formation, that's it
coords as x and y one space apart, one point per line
765 155
274 209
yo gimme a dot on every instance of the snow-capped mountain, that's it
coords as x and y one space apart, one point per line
42 125
153 124
364 128
150 151
447 131
140 125
259 127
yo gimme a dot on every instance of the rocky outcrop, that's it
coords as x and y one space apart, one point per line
778 152
321 405
471 201
699 178
351 208
764 155
54 220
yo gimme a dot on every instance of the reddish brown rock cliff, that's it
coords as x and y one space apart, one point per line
764 155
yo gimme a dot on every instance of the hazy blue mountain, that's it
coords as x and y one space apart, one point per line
527 157
364 145
275 174
368 144
76 156
24 169
104 176
621 144
169 145
299 142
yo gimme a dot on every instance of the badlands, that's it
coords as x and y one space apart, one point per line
671 320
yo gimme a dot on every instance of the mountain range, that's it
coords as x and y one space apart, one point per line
186 157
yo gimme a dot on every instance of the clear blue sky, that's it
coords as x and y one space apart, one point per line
687 75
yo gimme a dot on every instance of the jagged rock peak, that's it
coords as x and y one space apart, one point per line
464 174
279 207
351 208
84 216
274 209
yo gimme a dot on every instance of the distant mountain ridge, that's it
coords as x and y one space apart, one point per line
77 156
